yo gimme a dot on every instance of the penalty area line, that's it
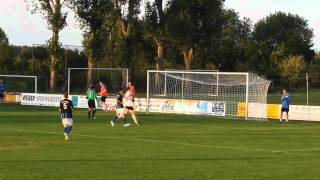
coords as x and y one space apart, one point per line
155 141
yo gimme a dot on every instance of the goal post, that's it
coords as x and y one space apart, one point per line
237 94
20 83
115 78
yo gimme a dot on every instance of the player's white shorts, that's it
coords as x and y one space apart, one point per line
120 112
67 122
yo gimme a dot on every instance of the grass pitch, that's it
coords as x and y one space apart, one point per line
32 147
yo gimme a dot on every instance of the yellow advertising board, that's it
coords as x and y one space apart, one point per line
273 111
241 109
10 98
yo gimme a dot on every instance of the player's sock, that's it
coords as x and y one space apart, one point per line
69 129
93 113
89 112
125 120
114 118
65 130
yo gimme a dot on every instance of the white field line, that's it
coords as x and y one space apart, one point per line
165 142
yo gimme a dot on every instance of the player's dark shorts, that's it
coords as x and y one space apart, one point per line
103 98
91 104
129 108
66 115
284 109
119 106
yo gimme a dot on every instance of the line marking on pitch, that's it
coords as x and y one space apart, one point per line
161 141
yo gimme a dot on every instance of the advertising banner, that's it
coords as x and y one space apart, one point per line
305 113
217 108
41 99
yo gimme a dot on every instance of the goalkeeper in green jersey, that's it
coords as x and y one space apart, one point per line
91 96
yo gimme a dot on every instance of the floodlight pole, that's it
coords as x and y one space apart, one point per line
307 79
36 84
69 80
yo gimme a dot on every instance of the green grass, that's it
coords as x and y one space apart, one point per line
165 147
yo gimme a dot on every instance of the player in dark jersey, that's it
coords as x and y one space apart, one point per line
120 111
65 109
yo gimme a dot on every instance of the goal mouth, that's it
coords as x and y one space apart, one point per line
192 88
20 83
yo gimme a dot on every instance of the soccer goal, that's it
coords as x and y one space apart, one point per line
228 94
20 83
114 78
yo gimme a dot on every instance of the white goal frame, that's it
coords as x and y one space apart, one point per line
246 74
24 76
109 69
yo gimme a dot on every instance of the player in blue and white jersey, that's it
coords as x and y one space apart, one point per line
65 109
2 86
120 110
285 103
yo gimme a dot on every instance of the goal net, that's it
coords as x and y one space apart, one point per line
232 95
20 83
114 78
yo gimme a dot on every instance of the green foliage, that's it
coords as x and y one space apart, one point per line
4 49
289 30
292 68
203 32
234 41
193 25
51 11
314 71
92 15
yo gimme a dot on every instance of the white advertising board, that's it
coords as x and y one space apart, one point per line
41 99
305 113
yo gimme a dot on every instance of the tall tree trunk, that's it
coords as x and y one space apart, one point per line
159 61
90 65
187 57
53 58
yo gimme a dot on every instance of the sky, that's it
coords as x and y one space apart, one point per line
24 28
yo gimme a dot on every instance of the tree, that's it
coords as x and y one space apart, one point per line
235 41
292 67
192 25
4 49
127 11
289 30
155 19
52 11
314 71
92 15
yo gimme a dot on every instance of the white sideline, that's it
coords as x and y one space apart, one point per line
163 142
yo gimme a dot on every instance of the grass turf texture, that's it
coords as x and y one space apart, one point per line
32 146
